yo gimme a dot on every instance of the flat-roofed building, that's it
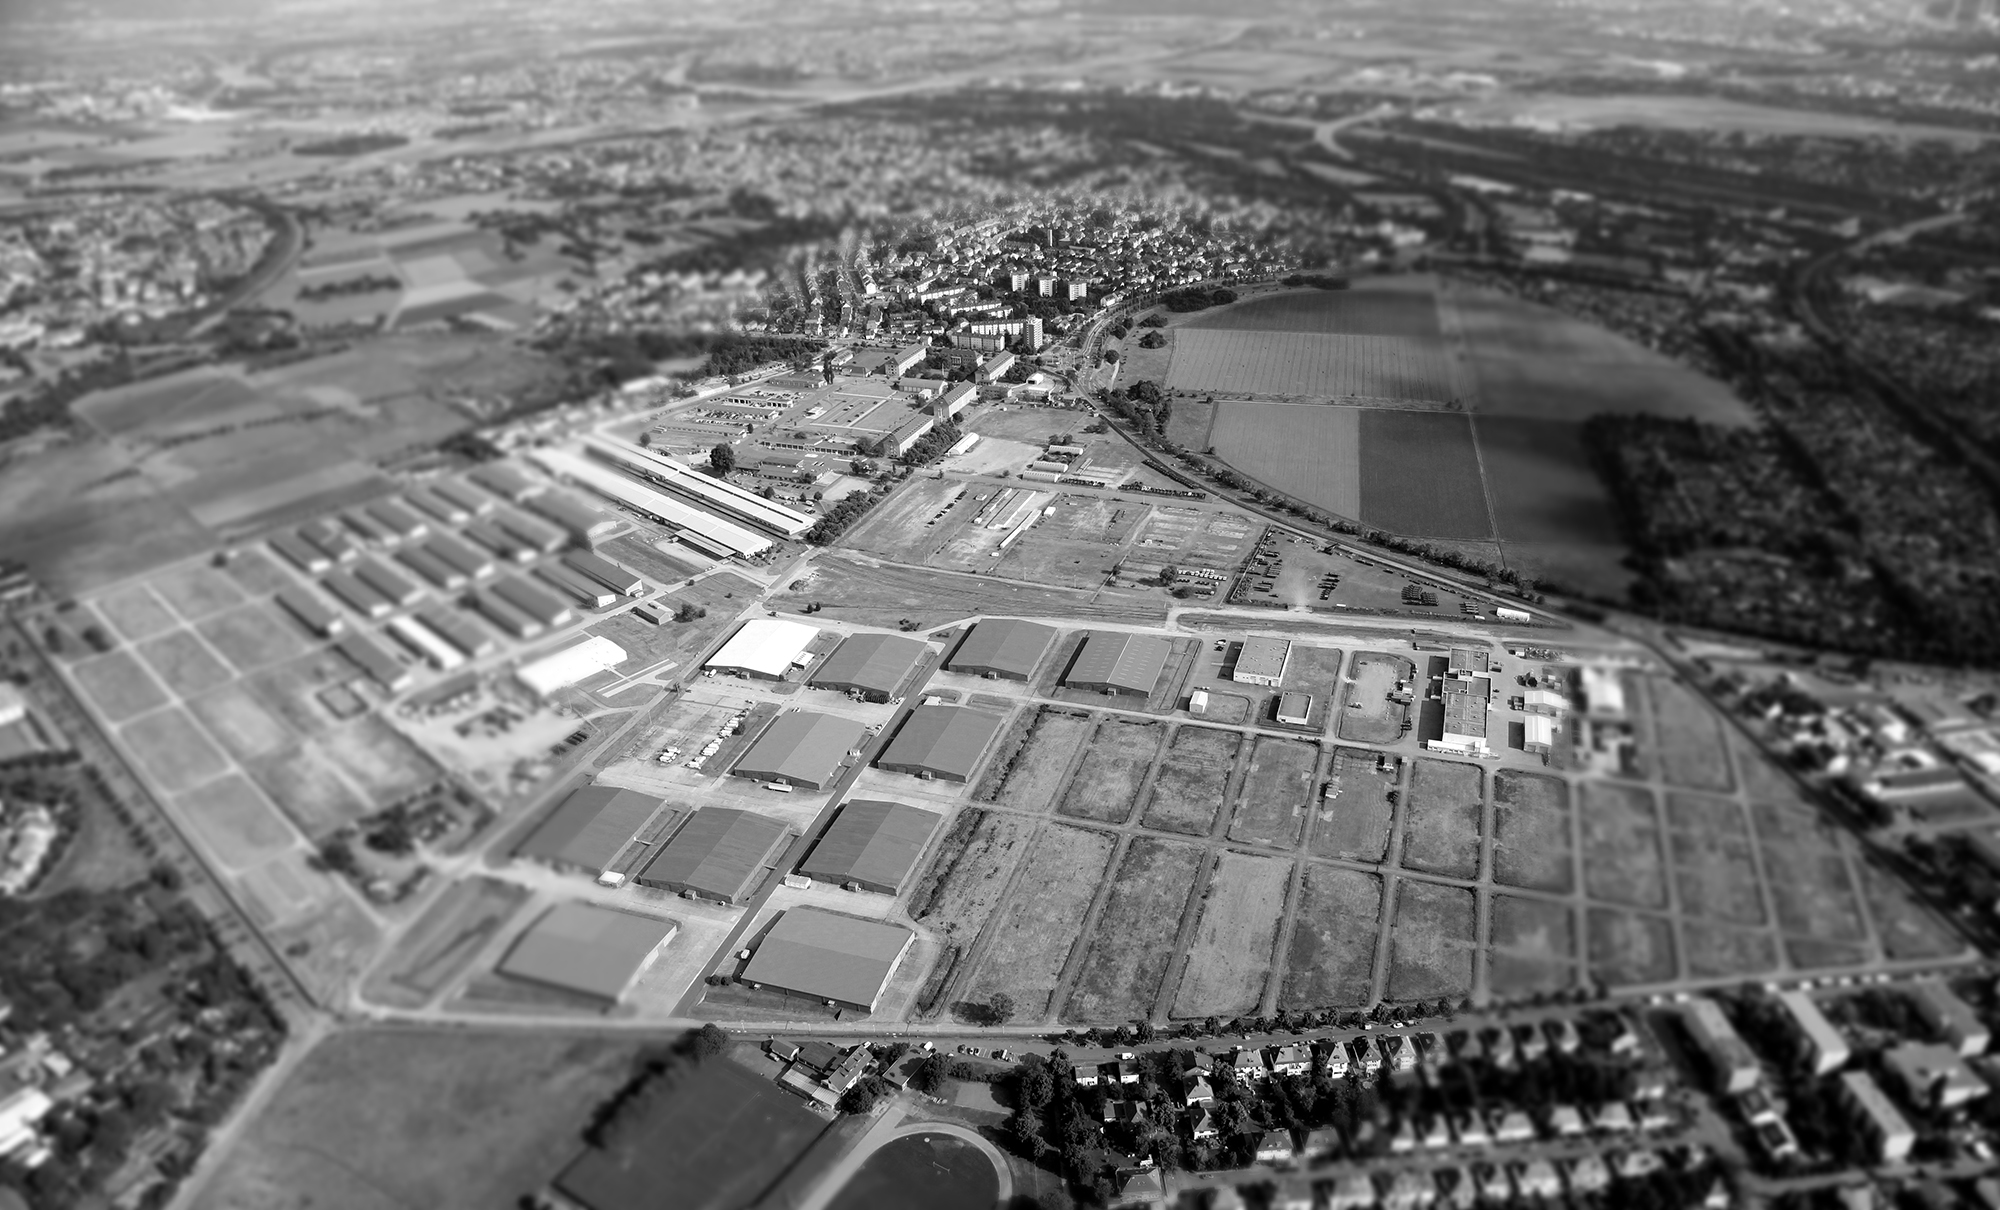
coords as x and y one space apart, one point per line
572 664
1262 662
802 748
1888 1132
589 950
687 482
872 666
826 956
942 742
1821 1046
1119 662
718 855
1295 709
873 845
1732 1065
765 648
1933 1075
1002 647
707 532
589 828
1950 1018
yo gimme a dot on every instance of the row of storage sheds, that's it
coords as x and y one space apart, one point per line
703 530
719 495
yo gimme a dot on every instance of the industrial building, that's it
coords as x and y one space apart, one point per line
509 619
717 855
425 643
586 593
872 666
1465 692
382 667
311 612
706 532
459 556
1002 647
1262 662
1114 661
582 522
328 538
432 505
537 603
1295 709
572 664
402 522
604 572
500 544
873 845
829 957
802 748
1876 1117
765 648
592 951
589 828
1821 1046
528 531
944 742
436 571
300 554
356 595
1950 1018
1932 1075
702 490
504 481
374 574
1732 1065
457 629
465 496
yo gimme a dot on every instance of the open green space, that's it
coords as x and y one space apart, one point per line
1114 767
1134 940
1331 960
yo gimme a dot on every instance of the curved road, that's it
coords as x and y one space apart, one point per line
885 1131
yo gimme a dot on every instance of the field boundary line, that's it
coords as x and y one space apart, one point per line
1191 914
1079 949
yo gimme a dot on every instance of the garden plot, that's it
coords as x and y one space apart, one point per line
1033 933
1354 816
1113 769
1275 792
1331 960
1193 781
1621 846
1441 826
1030 773
1531 832
1431 944
1229 962
1134 941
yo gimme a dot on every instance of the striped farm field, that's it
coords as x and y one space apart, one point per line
1310 365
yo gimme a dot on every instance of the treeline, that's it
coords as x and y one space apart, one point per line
1318 281
757 246
737 354
1197 298
836 520
368 283
932 445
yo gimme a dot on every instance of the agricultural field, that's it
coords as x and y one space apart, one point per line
235 822
1331 959
1714 867
1114 768
1133 943
1193 781
1405 307
1531 832
1276 791
1034 758
1621 846
1628 949
1533 947
1692 752
1354 821
1441 826
1431 943
1235 938
1368 716
1029 939
1306 365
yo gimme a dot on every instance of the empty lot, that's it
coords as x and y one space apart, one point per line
1134 941
1331 960
1193 781
1229 962
1275 792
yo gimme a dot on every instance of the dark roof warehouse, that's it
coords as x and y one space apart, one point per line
1005 647
1112 661
716 855
595 951
945 742
872 665
589 828
828 956
801 748
874 844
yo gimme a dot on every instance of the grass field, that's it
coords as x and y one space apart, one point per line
1533 947
344 1131
1134 940
1193 780
1531 832
1691 746
309 788
1907 930
966 880
1354 823
1713 864
1379 307
170 747
256 572
441 945
239 827
196 590
184 663
1275 792
1036 928
383 764
253 637
118 686
1810 887
135 612
1621 846
1331 960
1368 716
1312 452
242 723
1114 767
1235 938
1441 826
1030 774
1628 948
1431 942
1717 951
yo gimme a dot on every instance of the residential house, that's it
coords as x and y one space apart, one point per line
1933 1075
1512 1126
1199 1092
1248 1065
1950 1018
1612 1117
1352 1191
1537 1178
1294 1060
1589 1175
1410 1189
1565 1121
1085 1075
1321 1144
1276 1148
1139 1188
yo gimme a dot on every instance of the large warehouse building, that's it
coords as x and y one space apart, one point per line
945 742
801 748
1262 662
871 665
765 648
589 828
873 845
589 950
716 855
1003 647
1113 661
823 956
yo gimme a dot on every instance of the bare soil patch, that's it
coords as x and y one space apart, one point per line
1354 818
1621 846
1108 781
1035 930
1531 832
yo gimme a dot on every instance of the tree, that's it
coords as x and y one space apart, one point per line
645 441
999 1009
930 1074
722 459
709 1041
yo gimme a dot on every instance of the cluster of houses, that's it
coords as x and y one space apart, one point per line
1460 1187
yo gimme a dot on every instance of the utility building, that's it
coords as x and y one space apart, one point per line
1262 662
872 666
1113 661
944 742
1002 647
829 957
802 748
873 845
716 855
589 950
